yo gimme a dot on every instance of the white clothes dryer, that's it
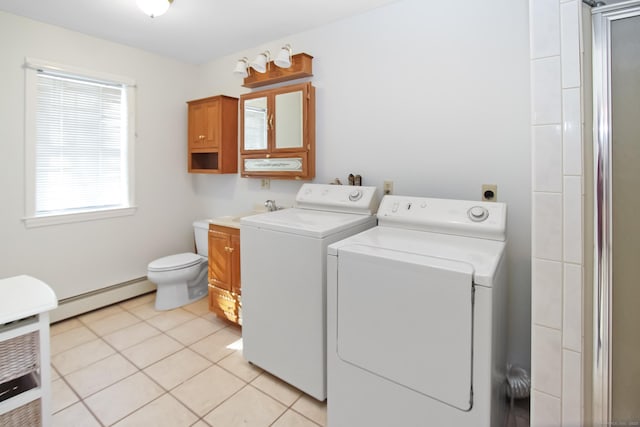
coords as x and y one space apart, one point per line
417 317
283 269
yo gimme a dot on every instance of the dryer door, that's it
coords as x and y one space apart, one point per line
408 318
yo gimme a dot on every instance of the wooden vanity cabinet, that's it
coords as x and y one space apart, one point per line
224 272
213 135
277 132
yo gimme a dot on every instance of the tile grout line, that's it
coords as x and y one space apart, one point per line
198 315
141 370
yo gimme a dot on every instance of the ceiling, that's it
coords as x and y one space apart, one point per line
193 31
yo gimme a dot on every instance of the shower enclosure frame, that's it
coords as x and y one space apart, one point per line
603 17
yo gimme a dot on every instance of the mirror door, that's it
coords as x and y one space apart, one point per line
289 113
255 124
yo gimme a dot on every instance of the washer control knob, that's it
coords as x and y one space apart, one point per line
355 195
478 213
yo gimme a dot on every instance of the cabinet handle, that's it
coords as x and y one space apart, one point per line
201 137
270 125
230 250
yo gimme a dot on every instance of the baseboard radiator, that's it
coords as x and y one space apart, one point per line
78 304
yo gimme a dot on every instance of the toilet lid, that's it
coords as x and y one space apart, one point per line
175 262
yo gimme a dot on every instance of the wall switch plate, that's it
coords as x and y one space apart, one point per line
388 187
265 183
489 193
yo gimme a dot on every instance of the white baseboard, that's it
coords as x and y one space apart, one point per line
73 306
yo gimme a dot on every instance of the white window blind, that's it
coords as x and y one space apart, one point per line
81 144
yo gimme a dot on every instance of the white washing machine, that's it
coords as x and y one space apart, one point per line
283 269
417 317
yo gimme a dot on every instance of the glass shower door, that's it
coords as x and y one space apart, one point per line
617 136
625 172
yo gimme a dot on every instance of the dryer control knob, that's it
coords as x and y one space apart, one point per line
478 213
355 195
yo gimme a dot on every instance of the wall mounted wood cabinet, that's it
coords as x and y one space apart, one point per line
277 133
224 272
213 135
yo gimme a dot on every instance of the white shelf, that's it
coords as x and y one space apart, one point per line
24 296
25 303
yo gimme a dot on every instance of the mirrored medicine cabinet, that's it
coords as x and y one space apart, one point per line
277 128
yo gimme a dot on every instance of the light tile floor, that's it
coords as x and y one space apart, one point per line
130 365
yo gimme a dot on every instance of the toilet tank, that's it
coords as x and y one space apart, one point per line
201 233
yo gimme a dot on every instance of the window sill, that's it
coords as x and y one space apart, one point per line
43 221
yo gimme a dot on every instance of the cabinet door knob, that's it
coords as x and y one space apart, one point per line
201 137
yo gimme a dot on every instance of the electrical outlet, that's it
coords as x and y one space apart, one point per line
265 183
489 193
388 187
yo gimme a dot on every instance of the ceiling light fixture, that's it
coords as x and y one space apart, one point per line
283 60
261 63
154 8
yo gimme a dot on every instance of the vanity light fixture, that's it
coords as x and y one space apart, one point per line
284 67
260 64
283 60
154 8
242 67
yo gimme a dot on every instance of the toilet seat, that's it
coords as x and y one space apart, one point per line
175 262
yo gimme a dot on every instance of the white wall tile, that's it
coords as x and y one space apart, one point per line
571 132
570 42
545 91
544 17
545 410
556 218
572 227
571 388
572 307
547 158
546 293
547 226
546 360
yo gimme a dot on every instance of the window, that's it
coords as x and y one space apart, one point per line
79 140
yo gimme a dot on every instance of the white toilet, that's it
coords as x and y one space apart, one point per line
182 278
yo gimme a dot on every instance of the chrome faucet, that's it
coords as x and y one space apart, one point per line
271 205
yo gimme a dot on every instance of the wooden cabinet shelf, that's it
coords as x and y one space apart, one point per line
301 66
224 272
213 135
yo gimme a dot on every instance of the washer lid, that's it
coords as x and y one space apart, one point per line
175 262
482 254
408 318
306 222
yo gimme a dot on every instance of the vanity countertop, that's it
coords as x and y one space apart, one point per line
232 221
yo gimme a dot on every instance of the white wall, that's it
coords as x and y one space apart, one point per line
432 95
80 257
